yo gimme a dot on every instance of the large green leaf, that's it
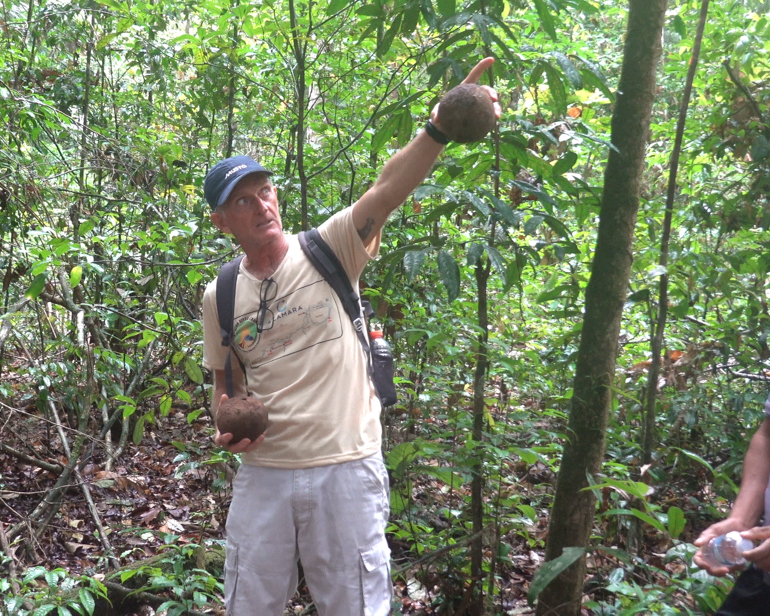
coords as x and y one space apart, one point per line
565 163
676 522
546 19
385 133
550 570
569 69
450 274
497 261
36 288
446 7
413 262
595 77
193 370
556 87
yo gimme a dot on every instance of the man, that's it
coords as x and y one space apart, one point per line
751 594
314 486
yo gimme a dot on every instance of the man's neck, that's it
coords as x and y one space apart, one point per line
263 262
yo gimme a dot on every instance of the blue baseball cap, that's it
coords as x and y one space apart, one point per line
223 177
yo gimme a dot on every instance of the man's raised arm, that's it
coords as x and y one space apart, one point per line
406 170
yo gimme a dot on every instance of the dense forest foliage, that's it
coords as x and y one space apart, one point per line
114 110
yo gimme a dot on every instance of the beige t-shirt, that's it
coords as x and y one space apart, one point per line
307 366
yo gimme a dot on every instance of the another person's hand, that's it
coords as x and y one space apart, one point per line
720 528
242 446
473 77
760 555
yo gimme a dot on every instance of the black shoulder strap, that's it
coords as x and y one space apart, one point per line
226 281
325 261
322 256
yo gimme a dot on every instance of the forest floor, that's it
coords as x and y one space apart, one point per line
162 489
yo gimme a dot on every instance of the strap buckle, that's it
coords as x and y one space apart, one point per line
358 324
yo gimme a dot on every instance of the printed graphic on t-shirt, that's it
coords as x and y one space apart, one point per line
292 323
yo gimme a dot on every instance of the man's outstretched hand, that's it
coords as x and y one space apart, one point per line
242 446
473 77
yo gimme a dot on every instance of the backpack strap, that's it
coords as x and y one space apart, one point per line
226 281
326 262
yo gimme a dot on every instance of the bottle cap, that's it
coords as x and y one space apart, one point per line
375 334
741 543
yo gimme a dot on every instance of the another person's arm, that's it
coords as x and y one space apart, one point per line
748 507
218 397
405 171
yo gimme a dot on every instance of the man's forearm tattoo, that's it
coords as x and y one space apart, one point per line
364 231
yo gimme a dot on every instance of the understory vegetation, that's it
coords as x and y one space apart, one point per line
113 497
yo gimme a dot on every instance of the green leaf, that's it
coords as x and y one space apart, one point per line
675 522
138 430
450 274
106 40
654 522
33 573
36 288
697 458
193 371
387 40
413 262
595 77
445 474
497 261
565 163
51 578
546 19
550 570
569 69
447 8
76 273
193 415
165 405
401 456
336 6
533 222
475 251
43 610
556 87
759 148
482 207
385 133
679 26
634 488
409 23
87 600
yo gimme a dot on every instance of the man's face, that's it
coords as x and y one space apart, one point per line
251 212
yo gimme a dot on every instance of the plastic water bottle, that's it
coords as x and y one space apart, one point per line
727 550
382 368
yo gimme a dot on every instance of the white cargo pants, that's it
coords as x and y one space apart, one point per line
332 517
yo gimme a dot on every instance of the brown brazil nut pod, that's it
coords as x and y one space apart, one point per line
243 417
466 113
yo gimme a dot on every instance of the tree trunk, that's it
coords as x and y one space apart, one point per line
573 510
476 607
650 437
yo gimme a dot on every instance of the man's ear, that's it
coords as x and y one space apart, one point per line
218 220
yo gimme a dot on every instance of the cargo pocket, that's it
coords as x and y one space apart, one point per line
376 586
231 578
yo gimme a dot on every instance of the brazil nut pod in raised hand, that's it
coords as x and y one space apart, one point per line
466 113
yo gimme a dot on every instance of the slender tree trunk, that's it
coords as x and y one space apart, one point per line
299 57
650 436
231 94
77 205
477 483
573 510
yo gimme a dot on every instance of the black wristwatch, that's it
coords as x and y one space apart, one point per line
435 133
